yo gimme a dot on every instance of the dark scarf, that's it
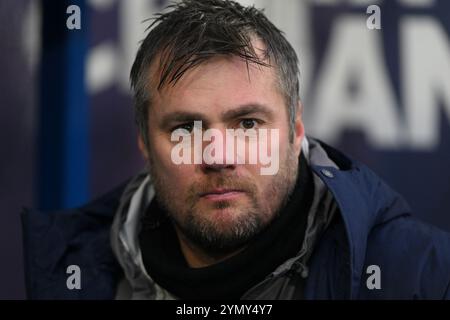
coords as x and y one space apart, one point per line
231 278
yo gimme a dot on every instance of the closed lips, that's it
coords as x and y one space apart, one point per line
220 191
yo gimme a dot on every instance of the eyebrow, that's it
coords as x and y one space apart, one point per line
241 111
246 110
181 116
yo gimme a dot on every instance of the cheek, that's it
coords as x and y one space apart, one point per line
160 155
174 175
276 146
284 144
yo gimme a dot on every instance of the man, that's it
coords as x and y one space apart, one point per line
215 225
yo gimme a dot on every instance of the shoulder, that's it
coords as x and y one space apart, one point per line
413 257
55 240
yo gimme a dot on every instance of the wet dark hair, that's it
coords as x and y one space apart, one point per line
193 31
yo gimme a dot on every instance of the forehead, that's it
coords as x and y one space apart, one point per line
217 85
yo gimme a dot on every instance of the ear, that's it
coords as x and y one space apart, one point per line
299 129
142 147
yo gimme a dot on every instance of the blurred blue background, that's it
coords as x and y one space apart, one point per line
67 130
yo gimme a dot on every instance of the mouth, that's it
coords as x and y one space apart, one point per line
221 194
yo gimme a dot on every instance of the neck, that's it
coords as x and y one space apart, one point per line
196 257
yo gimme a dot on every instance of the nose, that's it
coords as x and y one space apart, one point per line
216 156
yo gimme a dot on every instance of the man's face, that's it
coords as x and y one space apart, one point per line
220 207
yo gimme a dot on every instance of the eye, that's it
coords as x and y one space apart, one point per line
248 123
188 126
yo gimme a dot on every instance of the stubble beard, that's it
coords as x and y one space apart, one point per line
247 220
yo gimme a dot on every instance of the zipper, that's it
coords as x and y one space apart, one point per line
296 268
